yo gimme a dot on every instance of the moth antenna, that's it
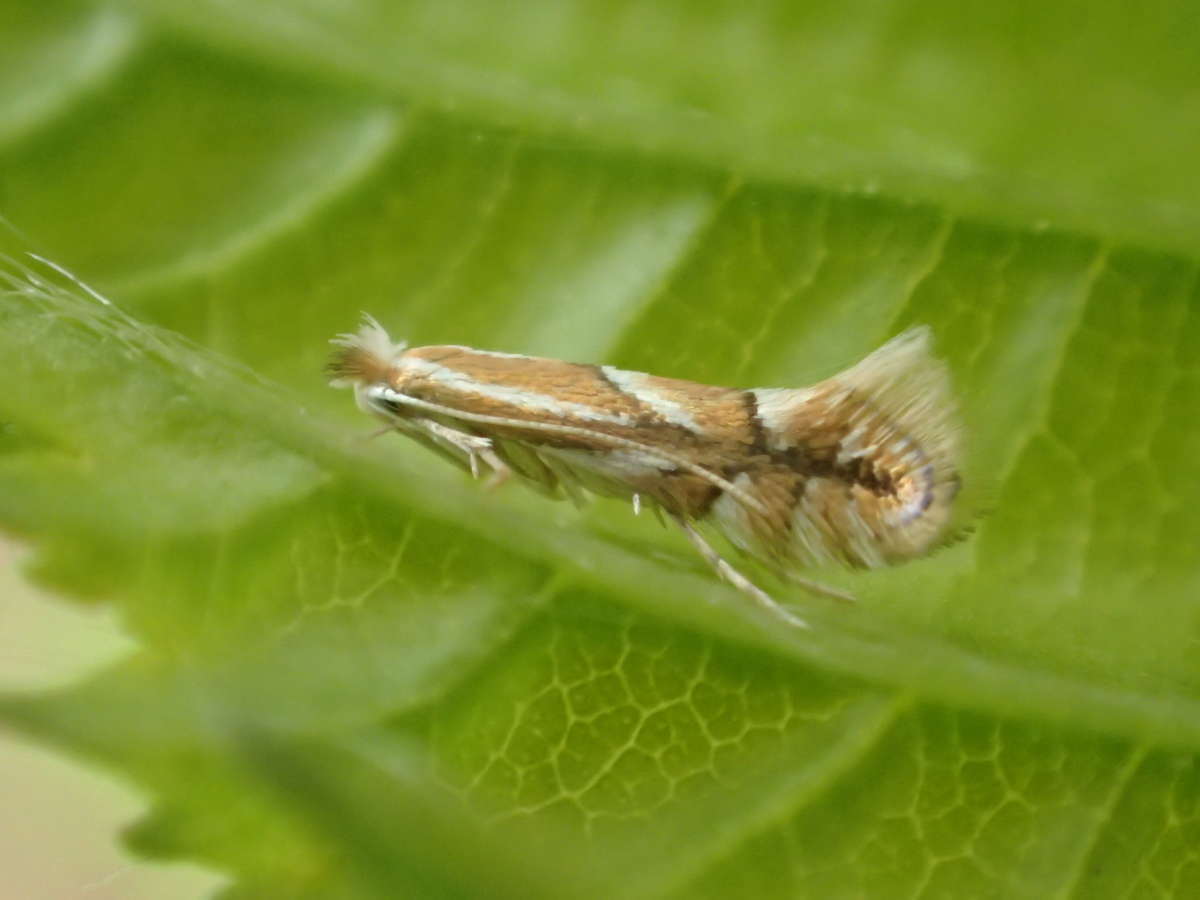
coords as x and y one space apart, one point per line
612 440
364 357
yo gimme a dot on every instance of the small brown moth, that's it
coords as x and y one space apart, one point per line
860 469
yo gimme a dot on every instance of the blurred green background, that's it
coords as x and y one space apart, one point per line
298 646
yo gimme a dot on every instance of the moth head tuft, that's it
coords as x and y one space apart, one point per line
364 357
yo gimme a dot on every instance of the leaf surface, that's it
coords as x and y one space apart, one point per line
339 635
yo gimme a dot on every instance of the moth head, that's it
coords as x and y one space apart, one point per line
365 361
365 357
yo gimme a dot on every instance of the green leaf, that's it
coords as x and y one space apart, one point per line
342 639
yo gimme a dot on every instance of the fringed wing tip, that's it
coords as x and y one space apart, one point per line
905 380
364 356
910 387
908 353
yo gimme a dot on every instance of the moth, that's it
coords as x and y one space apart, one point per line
860 469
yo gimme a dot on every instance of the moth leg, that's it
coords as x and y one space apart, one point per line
736 578
378 432
821 590
813 587
474 446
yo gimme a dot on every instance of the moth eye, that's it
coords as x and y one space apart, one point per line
379 398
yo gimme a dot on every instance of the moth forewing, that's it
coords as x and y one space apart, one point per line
859 469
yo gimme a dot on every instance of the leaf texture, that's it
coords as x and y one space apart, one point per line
339 638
